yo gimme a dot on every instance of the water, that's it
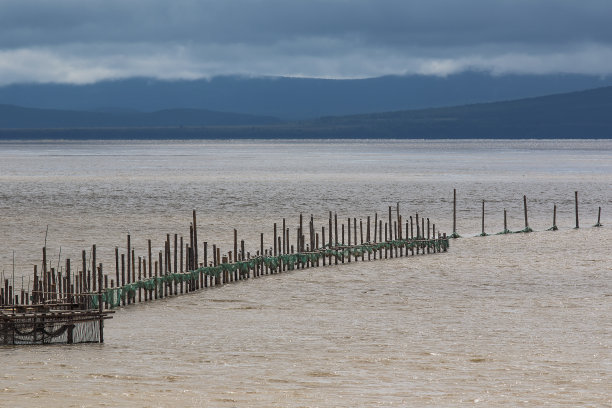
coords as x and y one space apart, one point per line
515 320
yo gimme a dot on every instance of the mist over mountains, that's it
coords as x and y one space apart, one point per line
293 98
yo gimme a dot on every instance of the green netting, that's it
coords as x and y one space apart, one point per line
113 296
526 229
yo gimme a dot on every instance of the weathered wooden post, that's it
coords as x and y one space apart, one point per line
100 305
527 229
454 234
576 200
399 228
483 234
195 241
129 268
428 236
599 224
505 231
336 235
554 226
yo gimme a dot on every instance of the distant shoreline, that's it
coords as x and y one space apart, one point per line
280 133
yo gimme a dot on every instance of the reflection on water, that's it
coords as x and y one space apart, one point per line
503 320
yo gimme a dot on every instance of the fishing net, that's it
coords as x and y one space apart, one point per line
114 296
22 330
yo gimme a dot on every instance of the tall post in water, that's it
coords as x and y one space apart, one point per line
336 234
117 266
483 219
301 244
93 267
284 241
274 238
454 235
399 222
505 222
195 242
312 233
235 245
101 323
349 236
375 226
390 233
176 253
44 271
190 263
599 219
527 229
576 200
129 248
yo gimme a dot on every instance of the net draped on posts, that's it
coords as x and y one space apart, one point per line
113 296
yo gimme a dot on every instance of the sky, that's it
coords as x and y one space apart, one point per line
85 41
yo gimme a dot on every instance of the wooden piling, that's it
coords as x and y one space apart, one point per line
576 201
386 240
355 233
323 241
390 233
336 235
123 277
129 249
361 237
348 227
380 239
454 234
598 218
100 305
139 278
527 229
329 241
94 268
483 219
411 236
195 241
428 236
368 238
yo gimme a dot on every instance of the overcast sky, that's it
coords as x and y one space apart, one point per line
81 41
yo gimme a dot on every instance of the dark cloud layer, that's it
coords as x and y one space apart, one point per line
84 41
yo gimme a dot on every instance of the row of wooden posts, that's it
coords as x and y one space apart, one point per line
527 227
65 288
82 289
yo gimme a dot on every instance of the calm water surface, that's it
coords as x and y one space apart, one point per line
515 320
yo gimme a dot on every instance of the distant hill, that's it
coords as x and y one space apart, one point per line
294 98
18 117
579 115
584 114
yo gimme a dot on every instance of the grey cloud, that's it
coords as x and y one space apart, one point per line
86 41
423 23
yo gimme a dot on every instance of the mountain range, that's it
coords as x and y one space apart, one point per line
582 114
294 98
